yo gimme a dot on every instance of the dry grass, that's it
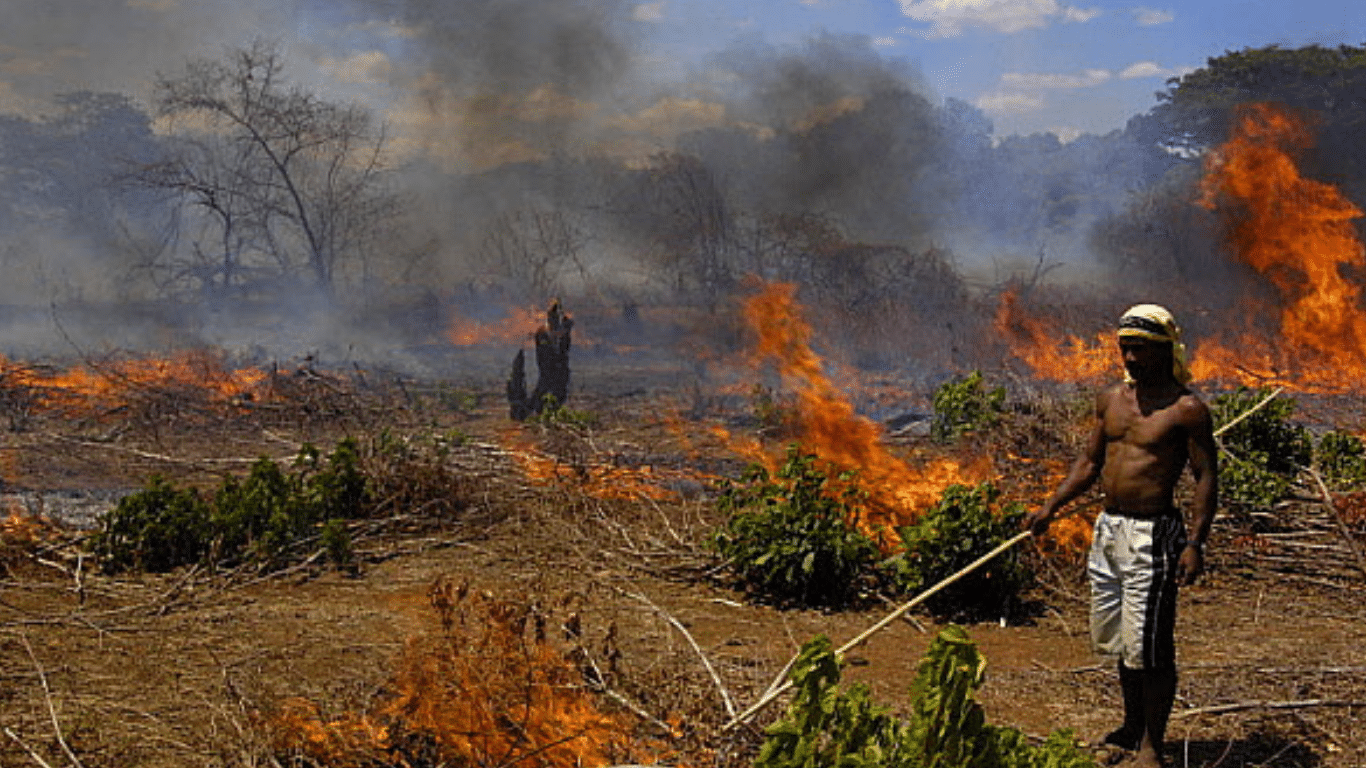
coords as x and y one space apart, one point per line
487 574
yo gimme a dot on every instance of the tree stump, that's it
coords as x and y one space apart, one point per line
552 368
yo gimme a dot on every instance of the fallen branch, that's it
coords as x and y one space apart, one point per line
1243 706
725 694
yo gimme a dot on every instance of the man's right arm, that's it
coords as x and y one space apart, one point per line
1083 474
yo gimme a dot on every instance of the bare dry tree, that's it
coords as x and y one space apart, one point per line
273 168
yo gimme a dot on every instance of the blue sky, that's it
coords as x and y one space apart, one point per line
1032 65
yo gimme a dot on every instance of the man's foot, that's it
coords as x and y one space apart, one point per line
1125 738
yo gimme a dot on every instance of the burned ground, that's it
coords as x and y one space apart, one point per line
595 530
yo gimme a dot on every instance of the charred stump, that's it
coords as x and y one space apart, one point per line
552 368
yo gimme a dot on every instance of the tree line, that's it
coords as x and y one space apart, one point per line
251 184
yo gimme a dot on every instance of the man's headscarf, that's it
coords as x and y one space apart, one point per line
1154 323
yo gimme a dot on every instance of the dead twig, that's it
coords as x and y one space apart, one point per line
47 698
725 694
1243 706
196 463
37 758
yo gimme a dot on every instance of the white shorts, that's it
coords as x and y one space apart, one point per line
1132 566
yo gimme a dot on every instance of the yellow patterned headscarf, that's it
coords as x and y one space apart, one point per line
1155 323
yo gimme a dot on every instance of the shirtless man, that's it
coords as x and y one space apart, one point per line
1146 432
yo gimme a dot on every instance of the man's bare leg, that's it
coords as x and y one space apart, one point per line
1129 736
1159 693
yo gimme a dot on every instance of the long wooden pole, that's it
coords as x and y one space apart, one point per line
776 691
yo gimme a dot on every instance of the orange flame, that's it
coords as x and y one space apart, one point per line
517 325
826 424
1298 233
491 688
111 384
1050 353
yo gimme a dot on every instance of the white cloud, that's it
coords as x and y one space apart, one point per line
649 11
1151 69
1020 92
1008 103
1025 81
156 6
1149 17
364 68
885 42
950 18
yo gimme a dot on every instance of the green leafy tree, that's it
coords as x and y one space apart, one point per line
1197 110
157 529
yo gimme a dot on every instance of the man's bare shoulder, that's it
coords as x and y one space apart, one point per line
1111 394
1192 411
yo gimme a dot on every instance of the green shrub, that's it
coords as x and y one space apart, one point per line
789 537
965 405
1341 458
1264 450
336 542
828 727
259 518
957 530
156 529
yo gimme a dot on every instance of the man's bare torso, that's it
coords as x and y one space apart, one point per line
1146 447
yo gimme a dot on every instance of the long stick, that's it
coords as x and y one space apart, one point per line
776 691
888 619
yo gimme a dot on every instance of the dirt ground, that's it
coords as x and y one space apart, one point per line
178 669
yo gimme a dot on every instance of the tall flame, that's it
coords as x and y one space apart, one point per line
1298 233
1050 353
826 424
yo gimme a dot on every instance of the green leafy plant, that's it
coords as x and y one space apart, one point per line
555 414
1264 451
789 537
1341 458
159 528
957 530
965 405
826 726
336 542
259 518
